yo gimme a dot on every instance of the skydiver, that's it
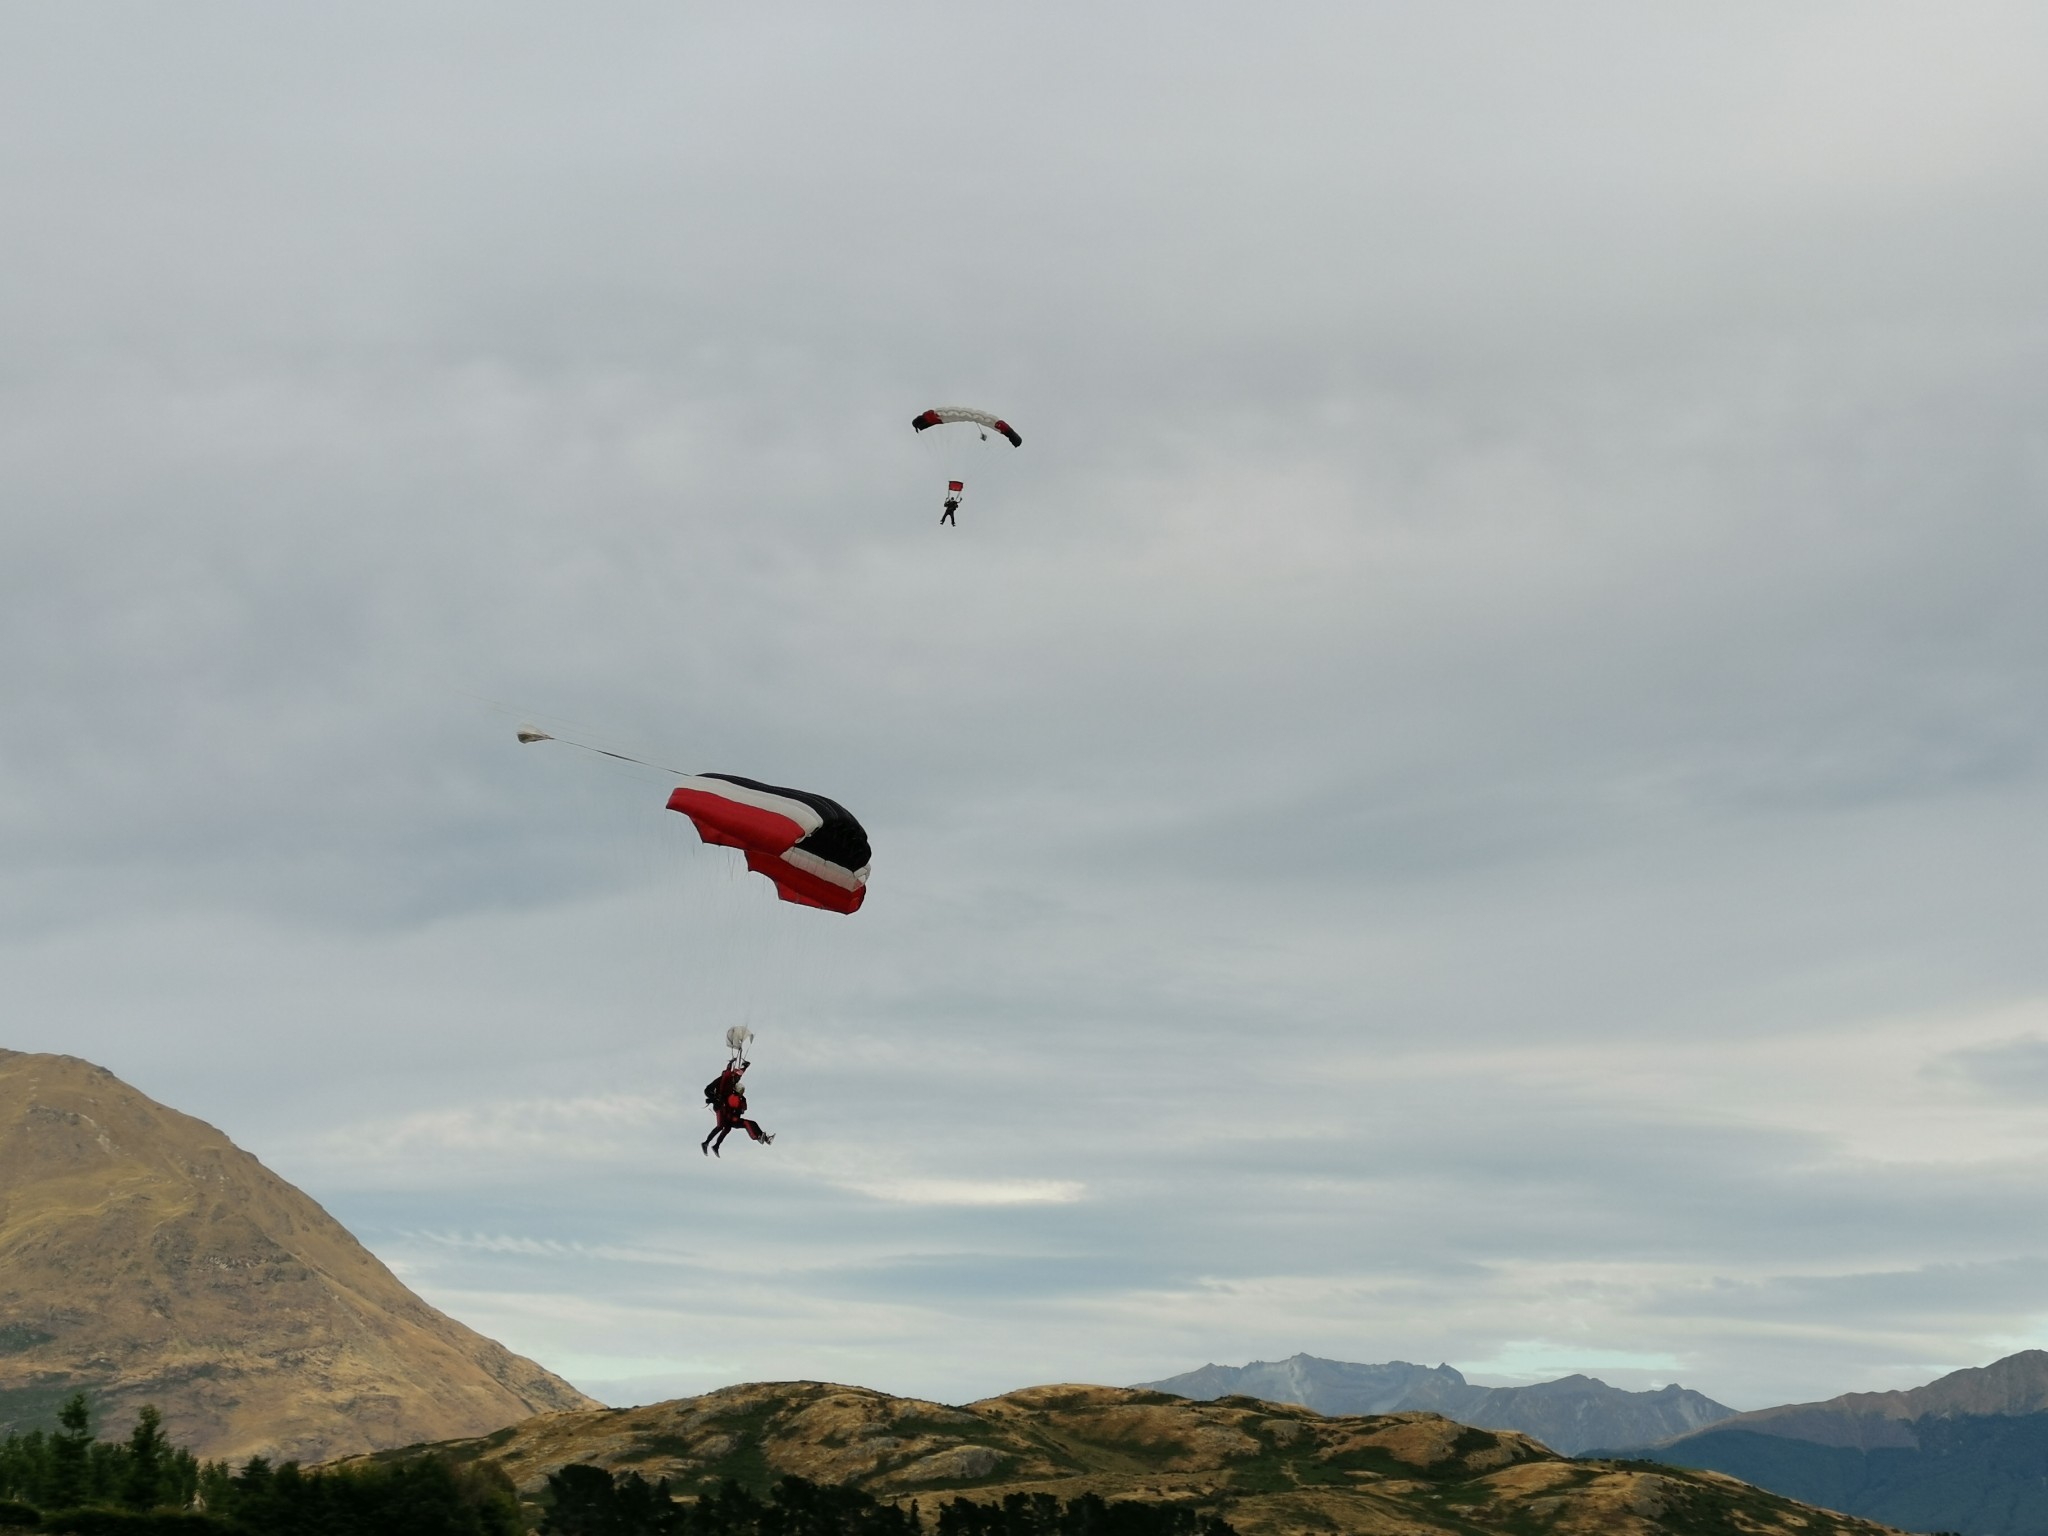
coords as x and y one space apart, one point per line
952 506
728 1101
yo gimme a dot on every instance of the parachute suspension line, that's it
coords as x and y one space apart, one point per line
528 735
742 950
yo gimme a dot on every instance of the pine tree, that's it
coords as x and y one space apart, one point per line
24 1466
216 1488
71 1455
149 1454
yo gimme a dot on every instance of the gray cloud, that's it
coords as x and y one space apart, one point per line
1469 794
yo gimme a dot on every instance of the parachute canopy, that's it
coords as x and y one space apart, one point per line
811 847
938 416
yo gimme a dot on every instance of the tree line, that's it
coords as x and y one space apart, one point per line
67 1482
71 1483
70 1469
589 1501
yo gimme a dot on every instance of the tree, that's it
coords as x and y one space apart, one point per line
582 1501
216 1487
71 1455
149 1455
24 1466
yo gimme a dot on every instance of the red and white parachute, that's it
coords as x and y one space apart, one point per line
942 415
738 952
811 847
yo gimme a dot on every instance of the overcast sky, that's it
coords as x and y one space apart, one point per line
1476 791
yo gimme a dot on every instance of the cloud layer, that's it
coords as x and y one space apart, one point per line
1475 791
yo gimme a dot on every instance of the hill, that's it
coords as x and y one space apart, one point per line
1272 1469
1572 1415
1968 1451
146 1258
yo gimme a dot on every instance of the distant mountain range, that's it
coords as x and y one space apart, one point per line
144 1258
1571 1415
1967 1452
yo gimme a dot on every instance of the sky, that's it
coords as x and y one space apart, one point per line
1476 791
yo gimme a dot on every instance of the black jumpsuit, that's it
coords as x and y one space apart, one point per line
728 1101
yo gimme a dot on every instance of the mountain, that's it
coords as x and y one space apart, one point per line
146 1258
1966 1452
1271 1469
1328 1386
2018 1384
1571 1415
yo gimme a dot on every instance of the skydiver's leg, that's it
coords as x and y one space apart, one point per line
755 1131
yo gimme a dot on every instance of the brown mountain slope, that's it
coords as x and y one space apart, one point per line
146 1258
1866 1421
1273 1469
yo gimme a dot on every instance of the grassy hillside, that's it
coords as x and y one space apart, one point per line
1271 1469
144 1258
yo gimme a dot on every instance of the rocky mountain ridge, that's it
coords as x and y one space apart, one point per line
1966 1452
2017 1384
146 1258
1570 1415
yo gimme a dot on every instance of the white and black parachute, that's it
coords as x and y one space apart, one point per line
941 415
956 449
